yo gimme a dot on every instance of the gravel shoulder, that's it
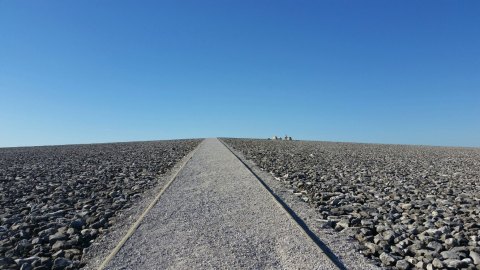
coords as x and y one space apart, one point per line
217 215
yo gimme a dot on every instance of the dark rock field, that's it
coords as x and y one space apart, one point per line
56 200
410 207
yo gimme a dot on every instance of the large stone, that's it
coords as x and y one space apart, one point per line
77 224
29 260
59 253
454 263
57 236
420 265
406 206
436 246
372 247
26 266
437 263
450 255
387 259
61 263
58 245
402 265
475 257
98 224
388 236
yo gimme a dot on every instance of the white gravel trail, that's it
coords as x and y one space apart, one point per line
217 215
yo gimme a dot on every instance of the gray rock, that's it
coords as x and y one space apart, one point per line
23 245
98 224
388 236
70 253
26 266
411 260
36 241
344 223
373 247
46 261
77 224
29 260
475 257
47 232
71 231
387 259
89 232
402 264
454 263
58 245
404 243
61 263
437 263
450 255
59 253
450 242
436 246
420 265
56 237
460 250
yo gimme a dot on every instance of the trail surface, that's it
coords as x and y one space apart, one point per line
217 215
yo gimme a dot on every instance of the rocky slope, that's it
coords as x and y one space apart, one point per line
409 206
56 200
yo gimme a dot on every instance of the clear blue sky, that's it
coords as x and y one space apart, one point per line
365 71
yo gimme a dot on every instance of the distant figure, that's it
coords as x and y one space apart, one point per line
276 138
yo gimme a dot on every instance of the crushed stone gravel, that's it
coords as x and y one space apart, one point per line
56 201
407 206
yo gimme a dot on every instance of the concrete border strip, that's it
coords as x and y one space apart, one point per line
135 225
294 217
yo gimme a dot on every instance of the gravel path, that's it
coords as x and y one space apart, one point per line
216 214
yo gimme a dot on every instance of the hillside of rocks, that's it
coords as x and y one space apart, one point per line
411 207
56 200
